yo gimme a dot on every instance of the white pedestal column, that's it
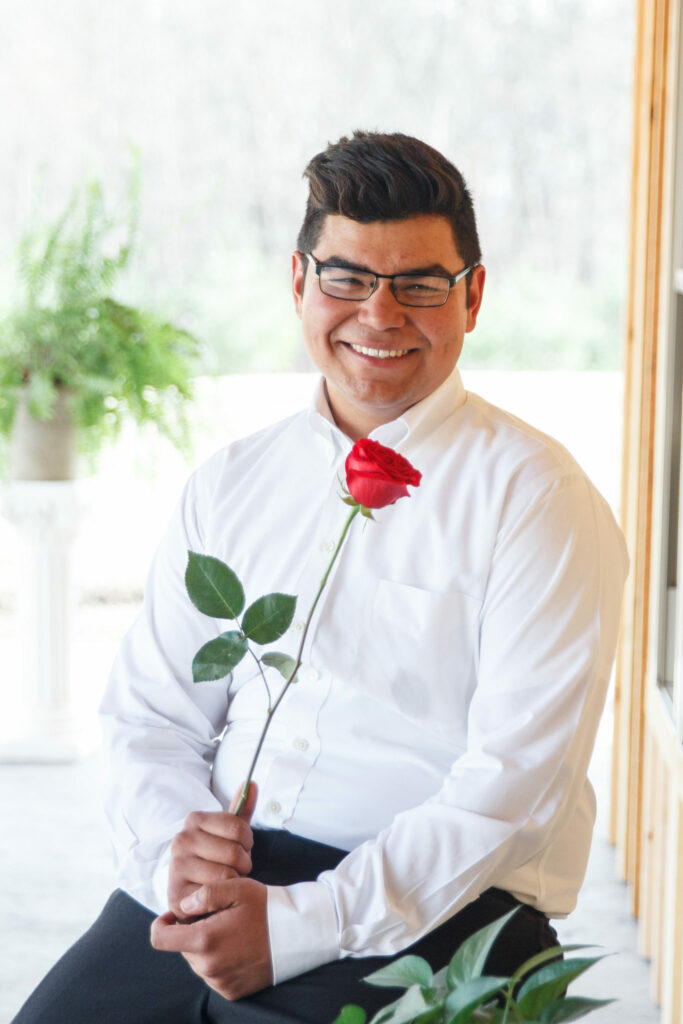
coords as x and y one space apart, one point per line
40 722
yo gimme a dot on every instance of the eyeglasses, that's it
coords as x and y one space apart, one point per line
354 285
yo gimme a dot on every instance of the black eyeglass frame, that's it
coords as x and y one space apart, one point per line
319 265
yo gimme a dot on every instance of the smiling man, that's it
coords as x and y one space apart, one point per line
427 773
412 306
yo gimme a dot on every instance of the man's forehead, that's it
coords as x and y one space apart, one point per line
423 240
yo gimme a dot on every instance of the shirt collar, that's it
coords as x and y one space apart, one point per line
406 431
321 421
423 418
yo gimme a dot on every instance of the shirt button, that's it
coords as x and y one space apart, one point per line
299 625
300 743
312 674
327 545
274 807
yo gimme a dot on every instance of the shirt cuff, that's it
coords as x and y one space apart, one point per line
302 928
160 881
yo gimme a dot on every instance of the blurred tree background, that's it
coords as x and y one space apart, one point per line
225 102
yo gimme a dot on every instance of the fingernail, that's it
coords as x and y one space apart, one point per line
191 902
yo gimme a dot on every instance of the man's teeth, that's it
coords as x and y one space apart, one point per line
380 353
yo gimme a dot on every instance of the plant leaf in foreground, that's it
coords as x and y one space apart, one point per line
571 1008
351 1014
468 996
404 1011
550 982
402 973
468 961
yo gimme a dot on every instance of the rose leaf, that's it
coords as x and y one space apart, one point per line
213 587
218 657
284 663
268 618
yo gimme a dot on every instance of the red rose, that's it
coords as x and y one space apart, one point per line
377 476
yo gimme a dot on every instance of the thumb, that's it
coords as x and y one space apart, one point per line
250 804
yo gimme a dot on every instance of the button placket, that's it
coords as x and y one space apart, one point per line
330 524
289 768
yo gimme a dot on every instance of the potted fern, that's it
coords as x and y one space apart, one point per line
74 361
461 993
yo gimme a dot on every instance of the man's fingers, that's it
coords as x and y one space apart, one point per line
248 809
210 898
223 824
167 935
229 948
199 853
195 871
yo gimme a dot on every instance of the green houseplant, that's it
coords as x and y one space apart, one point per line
461 993
75 359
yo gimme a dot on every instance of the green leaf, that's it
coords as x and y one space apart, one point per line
571 1008
402 973
351 1014
365 512
268 618
552 953
550 982
440 977
349 500
213 587
469 995
404 1011
218 657
469 959
384 1016
284 663
494 1015
433 1016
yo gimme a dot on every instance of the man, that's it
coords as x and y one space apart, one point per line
428 769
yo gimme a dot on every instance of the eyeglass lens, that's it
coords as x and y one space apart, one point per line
355 285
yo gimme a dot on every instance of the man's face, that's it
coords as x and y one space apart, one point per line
365 388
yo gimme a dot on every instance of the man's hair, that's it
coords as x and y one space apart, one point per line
373 176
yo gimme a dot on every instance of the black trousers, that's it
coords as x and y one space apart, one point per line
113 976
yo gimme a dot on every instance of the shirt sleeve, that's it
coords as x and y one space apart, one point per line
548 630
161 729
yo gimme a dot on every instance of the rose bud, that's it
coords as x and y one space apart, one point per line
377 476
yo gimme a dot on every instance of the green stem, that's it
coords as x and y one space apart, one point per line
508 1003
297 664
263 675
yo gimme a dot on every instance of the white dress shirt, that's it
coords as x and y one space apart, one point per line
452 679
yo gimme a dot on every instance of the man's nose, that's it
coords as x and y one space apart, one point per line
382 310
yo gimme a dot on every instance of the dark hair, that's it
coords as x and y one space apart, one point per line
373 176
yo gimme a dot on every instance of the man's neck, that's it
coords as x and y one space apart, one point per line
360 426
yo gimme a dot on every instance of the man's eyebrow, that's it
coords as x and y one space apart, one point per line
339 261
344 264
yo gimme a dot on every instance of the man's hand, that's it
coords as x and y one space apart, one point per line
229 949
212 847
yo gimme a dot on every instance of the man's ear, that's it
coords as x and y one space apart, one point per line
475 295
298 281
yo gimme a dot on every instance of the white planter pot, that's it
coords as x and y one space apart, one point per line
43 449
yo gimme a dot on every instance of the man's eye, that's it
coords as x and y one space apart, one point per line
426 287
345 278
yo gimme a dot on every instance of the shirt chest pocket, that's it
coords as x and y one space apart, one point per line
418 653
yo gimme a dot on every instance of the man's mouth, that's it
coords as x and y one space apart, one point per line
380 353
